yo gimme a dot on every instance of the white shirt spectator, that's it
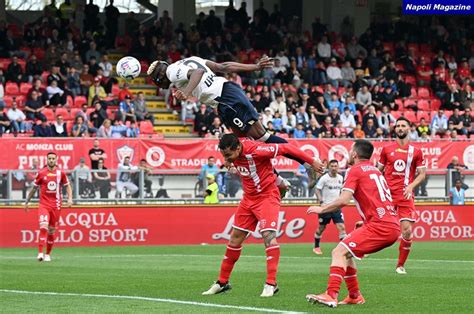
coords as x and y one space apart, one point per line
324 50
280 107
348 121
384 120
15 114
289 122
284 61
107 67
53 91
334 73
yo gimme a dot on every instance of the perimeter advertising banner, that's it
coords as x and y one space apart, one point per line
205 224
187 155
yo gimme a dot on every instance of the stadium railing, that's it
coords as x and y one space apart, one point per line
174 186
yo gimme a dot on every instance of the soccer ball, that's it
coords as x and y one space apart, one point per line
128 68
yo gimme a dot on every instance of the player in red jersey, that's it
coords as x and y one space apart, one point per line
400 162
373 200
260 204
50 181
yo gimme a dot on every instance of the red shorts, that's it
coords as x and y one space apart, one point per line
263 210
51 216
405 209
370 238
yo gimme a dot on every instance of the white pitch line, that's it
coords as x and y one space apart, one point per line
130 297
85 256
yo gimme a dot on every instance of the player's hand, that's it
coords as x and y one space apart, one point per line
265 62
407 192
318 166
27 209
314 210
69 203
358 224
180 95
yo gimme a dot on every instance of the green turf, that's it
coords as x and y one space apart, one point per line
440 277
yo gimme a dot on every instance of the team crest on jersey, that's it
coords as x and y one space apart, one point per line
243 171
380 211
352 244
399 165
52 186
125 151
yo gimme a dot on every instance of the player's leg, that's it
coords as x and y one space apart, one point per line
405 245
53 223
354 297
43 218
232 254
318 234
272 250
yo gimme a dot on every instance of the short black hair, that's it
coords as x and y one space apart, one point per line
229 141
403 119
51 153
332 161
364 149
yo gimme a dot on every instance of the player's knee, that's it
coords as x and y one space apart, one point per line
44 226
407 233
51 230
269 238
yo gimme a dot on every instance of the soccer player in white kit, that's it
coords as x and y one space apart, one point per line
328 189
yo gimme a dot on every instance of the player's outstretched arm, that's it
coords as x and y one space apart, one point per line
229 67
341 201
29 196
195 76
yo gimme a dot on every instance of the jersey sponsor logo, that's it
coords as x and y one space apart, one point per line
178 73
468 156
125 151
266 148
380 211
52 186
399 165
51 174
155 156
243 171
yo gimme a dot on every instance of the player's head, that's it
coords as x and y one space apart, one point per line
51 159
402 127
230 147
126 160
157 72
361 150
211 161
458 183
333 166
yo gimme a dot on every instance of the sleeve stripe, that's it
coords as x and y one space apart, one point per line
347 189
421 167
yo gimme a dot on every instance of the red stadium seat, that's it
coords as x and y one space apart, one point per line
409 103
423 114
410 115
423 92
115 89
22 63
413 47
8 100
20 100
63 112
409 79
70 101
69 125
79 101
49 114
341 91
388 46
435 103
146 127
425 48
11 89
424 105
413 92
448 113
89 111
74 112
39 53
24 88
44 77
396 114
399 102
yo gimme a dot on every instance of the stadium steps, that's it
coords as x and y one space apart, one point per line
141 80
155 104
147 90
168 129
115 56
166 116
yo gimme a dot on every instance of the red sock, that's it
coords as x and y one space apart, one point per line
404 250
42 239
273 258
231 256
336 274
49 243
351 282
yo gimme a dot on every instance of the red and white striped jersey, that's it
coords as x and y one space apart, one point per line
255 167
400 167
50 183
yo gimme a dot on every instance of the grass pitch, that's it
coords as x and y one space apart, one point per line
171 278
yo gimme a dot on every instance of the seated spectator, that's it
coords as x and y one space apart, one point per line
124 177
299 132
43 129
79 129
56 95
277 122
74 82
124 92
388 98
105 130
278 105
267 116
14 71
321 108
77 61
467 96
364 99
324 49
371 114
423 128
33 108
2 94
452 99
314 128
348 75
302 116
385 120
118 130
42 94
126 111
57 76
84 176
355 50
33 68
327 128
439 124
334 102
457 121
289 121
270 129
133 130
92 53
413 134
17 118
86 80
348 103
216 129
4 123
467 122
370 130
339 130
102 179
106 66
439 87
96 91
141 110
200 121
334 74
348 121
59 128
335 116
98 116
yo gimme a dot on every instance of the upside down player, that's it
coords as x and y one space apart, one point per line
372 197
196 76
50 181
260 204
399 162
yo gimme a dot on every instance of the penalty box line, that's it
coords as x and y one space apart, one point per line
160 300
